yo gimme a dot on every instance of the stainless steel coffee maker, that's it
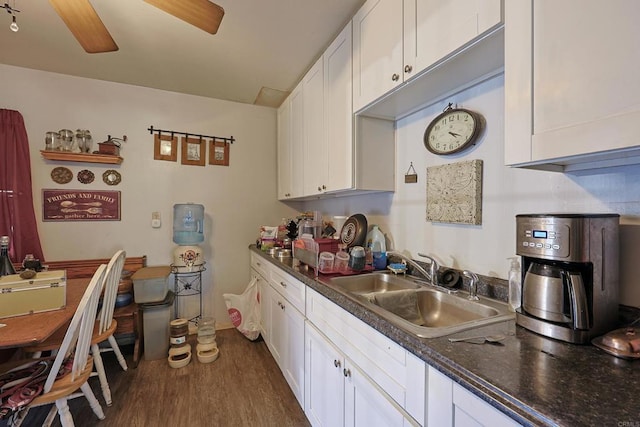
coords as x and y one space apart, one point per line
569 274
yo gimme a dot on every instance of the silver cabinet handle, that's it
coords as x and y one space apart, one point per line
408 68
395 77
336 363
346 372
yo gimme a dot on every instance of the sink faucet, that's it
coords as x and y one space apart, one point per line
433 269
428 275
473 285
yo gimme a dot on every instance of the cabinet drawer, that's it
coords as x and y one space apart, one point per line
260 265
289 287
400 374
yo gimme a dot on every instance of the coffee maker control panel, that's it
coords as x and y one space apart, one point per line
546 237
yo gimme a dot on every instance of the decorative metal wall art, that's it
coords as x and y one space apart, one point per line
454 193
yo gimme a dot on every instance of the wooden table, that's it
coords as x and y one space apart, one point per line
21 331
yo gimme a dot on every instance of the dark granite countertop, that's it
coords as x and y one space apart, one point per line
533 379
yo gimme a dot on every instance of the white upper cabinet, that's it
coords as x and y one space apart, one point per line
284 151
297 140
408 53
377 50
439 28
314 147
571 83
338 112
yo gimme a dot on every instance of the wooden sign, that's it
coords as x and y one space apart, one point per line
80 205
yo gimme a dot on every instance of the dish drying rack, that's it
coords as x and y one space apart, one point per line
307 251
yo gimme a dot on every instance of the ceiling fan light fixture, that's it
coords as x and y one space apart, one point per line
14 25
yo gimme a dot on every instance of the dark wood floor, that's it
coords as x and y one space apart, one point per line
244 387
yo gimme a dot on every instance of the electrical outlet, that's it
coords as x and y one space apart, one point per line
156 222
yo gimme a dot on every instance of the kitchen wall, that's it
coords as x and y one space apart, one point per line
237 199
506 192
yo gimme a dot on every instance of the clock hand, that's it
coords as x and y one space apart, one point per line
454 134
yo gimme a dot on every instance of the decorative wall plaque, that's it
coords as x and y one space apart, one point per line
79 205
454 193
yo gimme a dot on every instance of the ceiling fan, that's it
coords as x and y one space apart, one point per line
87 27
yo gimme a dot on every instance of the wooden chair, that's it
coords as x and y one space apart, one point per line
105 326
77 340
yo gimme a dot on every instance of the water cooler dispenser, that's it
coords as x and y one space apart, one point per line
188 261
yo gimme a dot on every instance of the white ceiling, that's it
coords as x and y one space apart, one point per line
260 43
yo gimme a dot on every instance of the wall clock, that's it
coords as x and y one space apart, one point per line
452 131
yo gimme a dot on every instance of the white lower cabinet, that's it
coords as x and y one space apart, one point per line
345 373
383 377
287 341
449 404
265 313
337 393
282 323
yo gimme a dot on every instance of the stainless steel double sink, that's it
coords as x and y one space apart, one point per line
419 308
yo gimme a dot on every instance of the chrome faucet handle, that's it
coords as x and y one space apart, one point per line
473 285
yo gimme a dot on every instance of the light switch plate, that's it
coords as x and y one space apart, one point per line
156 222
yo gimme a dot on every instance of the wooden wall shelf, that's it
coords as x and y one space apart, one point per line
81 157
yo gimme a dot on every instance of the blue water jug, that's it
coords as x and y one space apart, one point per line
188 220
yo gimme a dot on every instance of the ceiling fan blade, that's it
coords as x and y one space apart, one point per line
201 13
85 25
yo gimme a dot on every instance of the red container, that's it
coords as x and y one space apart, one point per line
328 245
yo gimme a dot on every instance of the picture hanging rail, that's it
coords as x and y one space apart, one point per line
193 147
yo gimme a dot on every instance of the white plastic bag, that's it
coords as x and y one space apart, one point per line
244 310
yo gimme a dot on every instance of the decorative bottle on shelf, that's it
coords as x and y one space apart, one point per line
6 266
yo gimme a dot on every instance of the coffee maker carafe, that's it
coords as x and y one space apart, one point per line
569 275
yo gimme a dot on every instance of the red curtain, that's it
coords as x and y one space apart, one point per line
17 217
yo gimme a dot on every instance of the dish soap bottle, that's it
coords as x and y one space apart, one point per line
515 289
376 243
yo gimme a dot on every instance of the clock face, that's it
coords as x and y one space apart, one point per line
452 131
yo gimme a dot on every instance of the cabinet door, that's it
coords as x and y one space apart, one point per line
284 151
294 359
442 27
324 389
471 411
278 334
265 312
571 86
315 154
338 94
297 140
377 50
365 405
585 76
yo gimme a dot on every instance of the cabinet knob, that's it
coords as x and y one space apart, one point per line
408 68
324 187
395 77
284 285
319 188
336 363
346 372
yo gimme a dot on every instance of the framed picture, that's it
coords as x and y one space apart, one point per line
193 151
165 147
219 153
